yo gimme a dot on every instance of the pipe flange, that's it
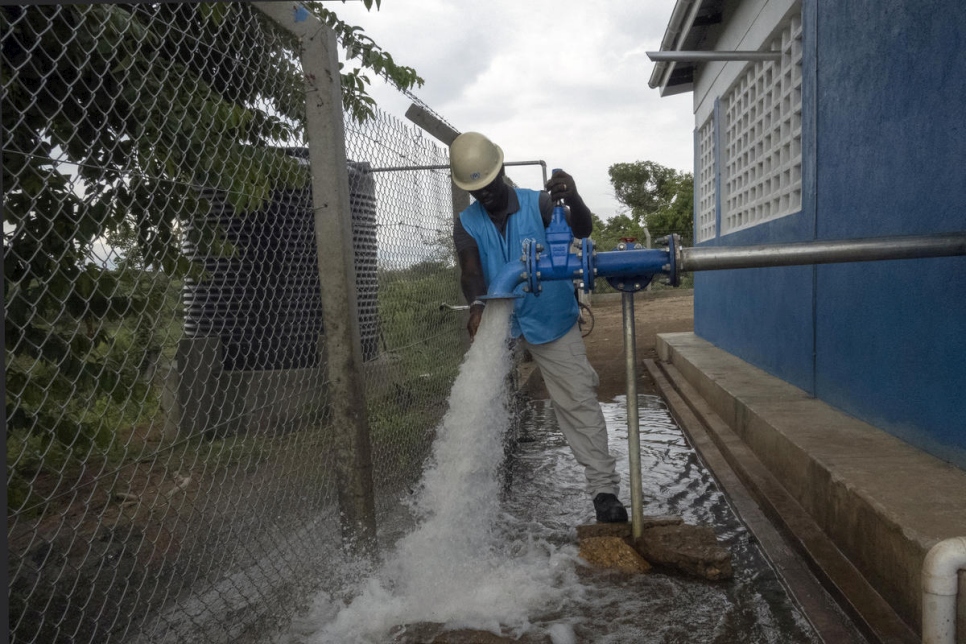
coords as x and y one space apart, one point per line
531 251
587 263
674 263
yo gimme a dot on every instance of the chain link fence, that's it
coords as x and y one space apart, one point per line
171 471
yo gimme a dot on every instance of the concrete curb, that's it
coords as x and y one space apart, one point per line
798 550
879 501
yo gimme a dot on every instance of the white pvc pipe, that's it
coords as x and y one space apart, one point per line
940 571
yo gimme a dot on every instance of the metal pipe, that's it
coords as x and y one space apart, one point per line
641 261
819 252
711 56
411 168
512 274
633 422
542 164
650 262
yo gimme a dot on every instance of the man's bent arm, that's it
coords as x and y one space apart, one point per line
581 221
471 274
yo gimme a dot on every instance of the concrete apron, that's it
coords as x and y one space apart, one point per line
862 507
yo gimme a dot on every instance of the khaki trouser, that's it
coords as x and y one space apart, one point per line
572 384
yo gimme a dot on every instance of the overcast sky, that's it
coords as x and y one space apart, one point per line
563 81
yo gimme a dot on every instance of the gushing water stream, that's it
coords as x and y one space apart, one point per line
505 560
456 567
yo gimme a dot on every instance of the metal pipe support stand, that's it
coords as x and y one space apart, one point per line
633 422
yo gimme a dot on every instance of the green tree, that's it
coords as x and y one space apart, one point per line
660 198
369 55
113 115
607 234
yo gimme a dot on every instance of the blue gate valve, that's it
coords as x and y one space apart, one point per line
555 261
629 268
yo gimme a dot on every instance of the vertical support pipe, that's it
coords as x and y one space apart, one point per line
333 234
633 422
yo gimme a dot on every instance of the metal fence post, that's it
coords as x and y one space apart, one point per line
333 230
445 135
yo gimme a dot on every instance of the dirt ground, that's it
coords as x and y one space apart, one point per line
658 312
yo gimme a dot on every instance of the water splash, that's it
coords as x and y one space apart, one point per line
457 567
510 565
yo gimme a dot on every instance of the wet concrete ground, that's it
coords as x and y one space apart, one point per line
543 489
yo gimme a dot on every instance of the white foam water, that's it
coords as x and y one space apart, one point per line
466 564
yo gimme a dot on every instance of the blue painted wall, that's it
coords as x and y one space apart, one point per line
763 315
884 140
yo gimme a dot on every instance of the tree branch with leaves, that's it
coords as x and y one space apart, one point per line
116 117
660 198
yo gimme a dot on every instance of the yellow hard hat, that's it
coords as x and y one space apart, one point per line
474 160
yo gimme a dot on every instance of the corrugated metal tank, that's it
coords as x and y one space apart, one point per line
261 292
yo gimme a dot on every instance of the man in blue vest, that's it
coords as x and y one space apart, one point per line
490 233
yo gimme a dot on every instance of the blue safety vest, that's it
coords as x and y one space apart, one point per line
539 318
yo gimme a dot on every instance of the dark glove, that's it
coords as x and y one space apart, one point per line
561 186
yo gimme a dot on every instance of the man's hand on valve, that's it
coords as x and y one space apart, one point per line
561 186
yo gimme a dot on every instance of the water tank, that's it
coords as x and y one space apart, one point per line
261 292
362 201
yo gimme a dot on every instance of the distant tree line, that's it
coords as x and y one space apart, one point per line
657 198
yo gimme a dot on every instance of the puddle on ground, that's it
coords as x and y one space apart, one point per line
546 485
487 546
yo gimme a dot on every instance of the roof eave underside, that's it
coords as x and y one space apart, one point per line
687 30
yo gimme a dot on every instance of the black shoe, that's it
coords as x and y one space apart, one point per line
609 509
